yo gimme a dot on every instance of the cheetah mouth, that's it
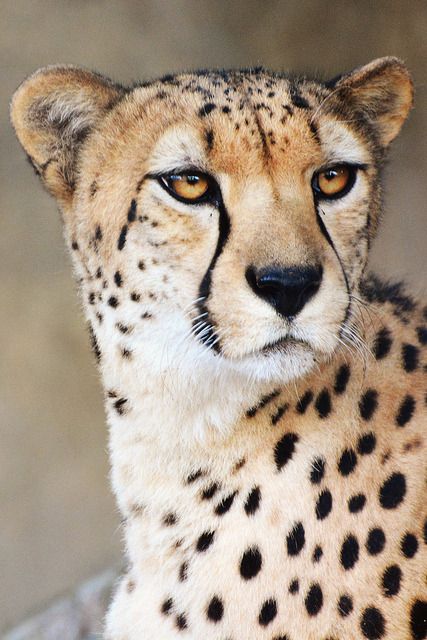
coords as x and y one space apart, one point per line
283 345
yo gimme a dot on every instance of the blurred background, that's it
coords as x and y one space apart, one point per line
59 524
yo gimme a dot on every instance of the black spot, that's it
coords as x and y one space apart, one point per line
293 587
317 470
422 335
123 328
375 290
209 137
119 405
405 411
323 504
375 542
118 279
284 449
314 130
317 553
345 606
356 503
113 302
419 620
195 476
391 580
252 501
99 272
262 403
297 99
215 610
205 540
314 600
323 404
94 343
295 540
135 297
366 443
268 612
304 402
349 552
393 491
410 357
98 233
183 570
206 109
225 504
141 265
372 623
74 245
226 109
239 465
132 211
382 344
368 404
250 564
93 188
91 298
347 462
181 621
168 79
167 606
170 519
210 491
342 378
279 413
122 237
409 545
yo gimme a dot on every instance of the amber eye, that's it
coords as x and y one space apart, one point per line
335 182
188 187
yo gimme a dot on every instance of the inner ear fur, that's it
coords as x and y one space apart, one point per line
383 91
52 112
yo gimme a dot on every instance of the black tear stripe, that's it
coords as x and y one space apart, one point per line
330 242
208 336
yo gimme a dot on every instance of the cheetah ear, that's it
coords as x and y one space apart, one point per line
52 112
383 91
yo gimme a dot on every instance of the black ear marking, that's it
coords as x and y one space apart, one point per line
53 112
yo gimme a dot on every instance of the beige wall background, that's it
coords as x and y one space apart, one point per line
59 524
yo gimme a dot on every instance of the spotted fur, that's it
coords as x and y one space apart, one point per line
270 469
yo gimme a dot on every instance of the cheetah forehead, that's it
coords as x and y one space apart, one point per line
57 109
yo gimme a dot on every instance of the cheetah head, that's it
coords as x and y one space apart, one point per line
217 219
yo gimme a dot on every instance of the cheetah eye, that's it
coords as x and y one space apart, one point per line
334 182
190 188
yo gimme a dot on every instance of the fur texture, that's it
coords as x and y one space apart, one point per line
270 468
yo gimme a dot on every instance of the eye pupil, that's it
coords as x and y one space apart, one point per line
330 175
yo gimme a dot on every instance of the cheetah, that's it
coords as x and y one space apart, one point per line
264 394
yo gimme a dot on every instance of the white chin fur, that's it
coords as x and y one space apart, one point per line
200 389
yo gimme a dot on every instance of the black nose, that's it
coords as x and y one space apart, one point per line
288 289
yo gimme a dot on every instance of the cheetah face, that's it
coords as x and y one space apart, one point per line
218 217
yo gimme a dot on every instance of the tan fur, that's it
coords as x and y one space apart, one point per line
215 451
